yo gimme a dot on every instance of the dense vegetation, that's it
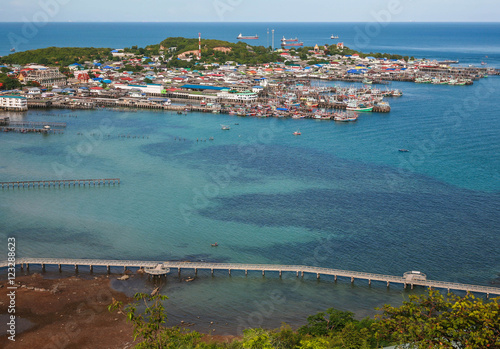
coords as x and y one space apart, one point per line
427 321
60 56
240 52
8 83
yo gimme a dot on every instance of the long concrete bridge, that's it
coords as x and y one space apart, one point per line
162 268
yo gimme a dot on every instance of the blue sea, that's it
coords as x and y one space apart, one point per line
339 196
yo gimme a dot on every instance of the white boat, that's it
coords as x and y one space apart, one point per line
334 37
225 127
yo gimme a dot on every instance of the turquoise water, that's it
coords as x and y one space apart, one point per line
340 195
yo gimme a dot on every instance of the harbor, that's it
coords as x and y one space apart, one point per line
314 204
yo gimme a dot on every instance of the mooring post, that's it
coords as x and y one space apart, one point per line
229 272
302 273
43 267
59 267
246 272
412 286
335 277
388 283
179 271
352 279
212 270
297 273
263 272
369 282
317 276
195 271
108 269
280 273
76 267
27 266
91 268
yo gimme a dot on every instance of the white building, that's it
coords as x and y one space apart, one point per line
13 103
151 89
240 97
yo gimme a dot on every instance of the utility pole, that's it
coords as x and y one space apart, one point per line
273 40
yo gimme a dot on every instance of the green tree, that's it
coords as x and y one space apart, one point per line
8 83
328 322
435 321
149 326
256 338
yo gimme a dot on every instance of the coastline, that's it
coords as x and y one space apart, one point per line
62 312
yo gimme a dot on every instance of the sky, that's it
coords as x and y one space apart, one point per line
249 11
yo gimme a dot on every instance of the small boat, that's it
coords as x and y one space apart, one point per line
404 150
297 133
13 50
225 127
214 244
483 63
334 37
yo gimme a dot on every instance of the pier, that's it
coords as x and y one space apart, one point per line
33 124
158 268
61 182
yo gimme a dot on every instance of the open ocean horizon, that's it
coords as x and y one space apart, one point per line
339 196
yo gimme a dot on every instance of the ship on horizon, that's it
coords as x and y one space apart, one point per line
289 40
284 43
247 37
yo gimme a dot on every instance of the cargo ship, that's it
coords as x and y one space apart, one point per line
289 40
247 37
284 43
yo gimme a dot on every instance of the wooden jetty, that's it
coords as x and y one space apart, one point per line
158 268
61 182
37 124
31 130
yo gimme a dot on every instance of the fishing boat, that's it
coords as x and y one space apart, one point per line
334 37
225 127
404 150
344 118
247 37
355 105
297 133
